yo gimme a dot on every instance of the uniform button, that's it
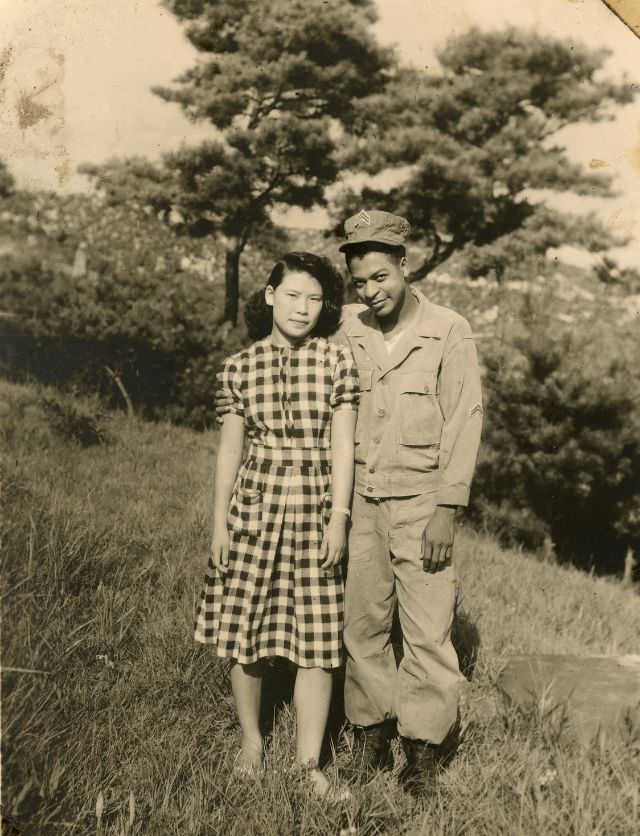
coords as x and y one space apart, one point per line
384 381
426 389
381 412
370 489
372 470
376 439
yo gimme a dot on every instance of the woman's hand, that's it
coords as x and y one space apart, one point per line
220 549
334 542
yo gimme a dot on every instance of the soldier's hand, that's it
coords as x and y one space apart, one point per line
222 405
437 539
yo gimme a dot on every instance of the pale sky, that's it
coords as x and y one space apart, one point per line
85 67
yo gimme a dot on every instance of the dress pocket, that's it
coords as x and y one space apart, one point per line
245 511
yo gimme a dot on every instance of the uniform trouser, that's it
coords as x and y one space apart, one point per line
385 568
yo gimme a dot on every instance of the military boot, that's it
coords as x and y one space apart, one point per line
423 763
372 746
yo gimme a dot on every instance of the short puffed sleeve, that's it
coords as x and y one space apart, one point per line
345 393
228 391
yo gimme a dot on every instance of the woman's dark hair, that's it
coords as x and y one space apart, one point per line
259 316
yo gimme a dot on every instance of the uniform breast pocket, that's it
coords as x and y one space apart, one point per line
420 419
245 511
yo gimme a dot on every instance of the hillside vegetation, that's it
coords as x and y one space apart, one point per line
115 723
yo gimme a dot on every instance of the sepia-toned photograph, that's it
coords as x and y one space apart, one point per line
320 417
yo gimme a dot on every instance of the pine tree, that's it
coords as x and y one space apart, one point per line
277 80
473 146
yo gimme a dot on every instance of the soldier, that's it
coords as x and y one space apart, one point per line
417 439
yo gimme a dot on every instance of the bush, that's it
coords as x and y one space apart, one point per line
39 418
137 318
559 462
148 342
73 423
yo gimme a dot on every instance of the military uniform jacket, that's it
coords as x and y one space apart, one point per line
420 414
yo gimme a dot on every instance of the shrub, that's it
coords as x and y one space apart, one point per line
75 423
559 463
149 342
137 318
37 418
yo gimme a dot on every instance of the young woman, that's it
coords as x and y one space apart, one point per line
274 586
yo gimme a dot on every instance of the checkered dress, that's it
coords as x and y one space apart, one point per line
275 600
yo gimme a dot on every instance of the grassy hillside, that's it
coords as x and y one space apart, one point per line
115 723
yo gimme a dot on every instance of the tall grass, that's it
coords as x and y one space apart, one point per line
115 723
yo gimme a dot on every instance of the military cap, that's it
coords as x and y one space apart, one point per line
376 226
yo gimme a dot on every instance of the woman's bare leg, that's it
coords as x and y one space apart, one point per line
312 697
246 684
